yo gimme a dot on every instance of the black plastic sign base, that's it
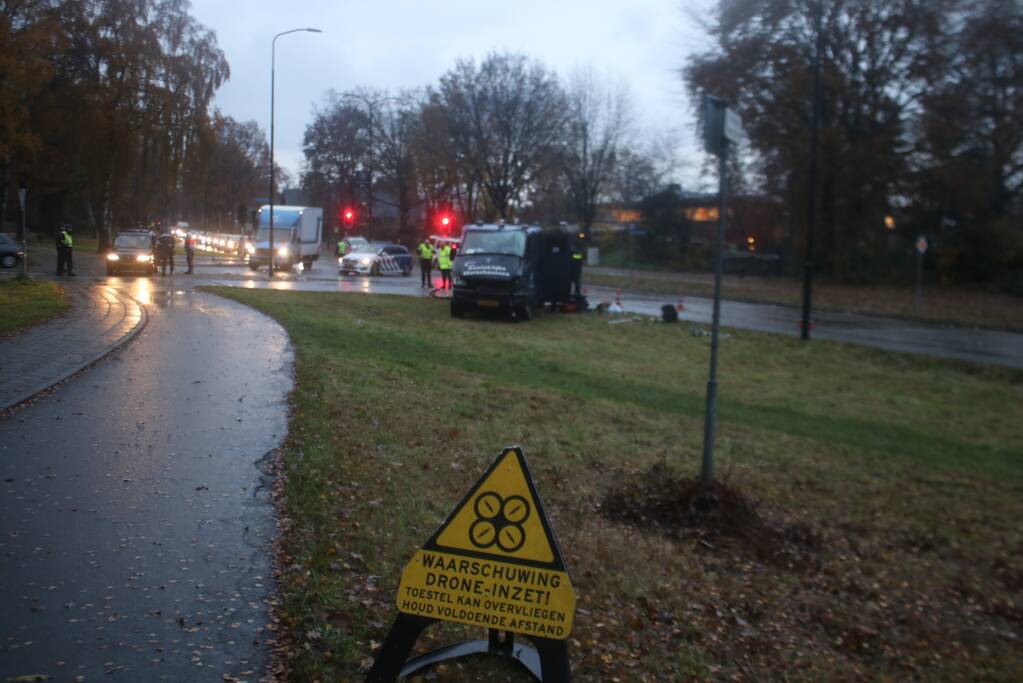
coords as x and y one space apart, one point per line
548 662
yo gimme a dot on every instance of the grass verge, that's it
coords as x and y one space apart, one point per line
27 302
906 473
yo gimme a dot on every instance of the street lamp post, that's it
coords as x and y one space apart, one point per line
370 106
273 61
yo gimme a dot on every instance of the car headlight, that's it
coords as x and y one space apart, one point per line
232 246
250 248
340 259
283 251
365 261
113 257
143 258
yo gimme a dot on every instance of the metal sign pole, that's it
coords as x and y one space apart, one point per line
921 249
919 283
707 472
806 323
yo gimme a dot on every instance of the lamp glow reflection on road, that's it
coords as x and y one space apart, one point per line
143 291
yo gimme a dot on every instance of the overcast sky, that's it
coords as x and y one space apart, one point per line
396 44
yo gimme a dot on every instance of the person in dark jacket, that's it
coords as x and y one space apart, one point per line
189 253
166 246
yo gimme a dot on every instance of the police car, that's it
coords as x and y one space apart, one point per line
376 258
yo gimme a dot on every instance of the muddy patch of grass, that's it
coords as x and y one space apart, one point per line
718 517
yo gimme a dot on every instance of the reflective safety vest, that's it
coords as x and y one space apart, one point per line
426 251
342 248
444 259
65 239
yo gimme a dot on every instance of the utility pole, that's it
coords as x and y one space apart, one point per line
23 229
811 211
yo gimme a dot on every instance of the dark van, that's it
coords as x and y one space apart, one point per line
514 269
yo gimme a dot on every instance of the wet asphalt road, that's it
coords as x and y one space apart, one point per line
134 518
943 341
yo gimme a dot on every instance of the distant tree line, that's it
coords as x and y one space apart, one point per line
922 122
105 117
501 138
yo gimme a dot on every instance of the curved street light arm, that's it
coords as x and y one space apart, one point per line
273 61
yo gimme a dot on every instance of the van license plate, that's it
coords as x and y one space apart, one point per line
489 303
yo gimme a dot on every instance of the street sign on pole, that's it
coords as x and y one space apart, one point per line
720 127
921 245
714 124
733 131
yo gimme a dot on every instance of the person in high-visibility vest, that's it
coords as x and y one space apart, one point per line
444 263
426 263
577 270
65 251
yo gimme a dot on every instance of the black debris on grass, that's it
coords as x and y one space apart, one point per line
678 507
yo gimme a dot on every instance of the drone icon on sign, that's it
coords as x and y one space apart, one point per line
499 522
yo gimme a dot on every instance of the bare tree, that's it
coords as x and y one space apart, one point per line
598 118
443 180
335 144
504 120
393 140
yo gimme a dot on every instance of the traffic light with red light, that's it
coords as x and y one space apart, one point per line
444 222
348 217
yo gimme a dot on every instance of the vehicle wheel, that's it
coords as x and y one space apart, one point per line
524 312
307 264
375 270
111 271
406 270
253 266
457 311
8 261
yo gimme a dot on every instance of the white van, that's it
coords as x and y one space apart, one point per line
298 231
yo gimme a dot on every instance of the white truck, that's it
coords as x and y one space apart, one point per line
298 232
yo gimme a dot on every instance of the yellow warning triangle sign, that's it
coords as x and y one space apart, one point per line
501 519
